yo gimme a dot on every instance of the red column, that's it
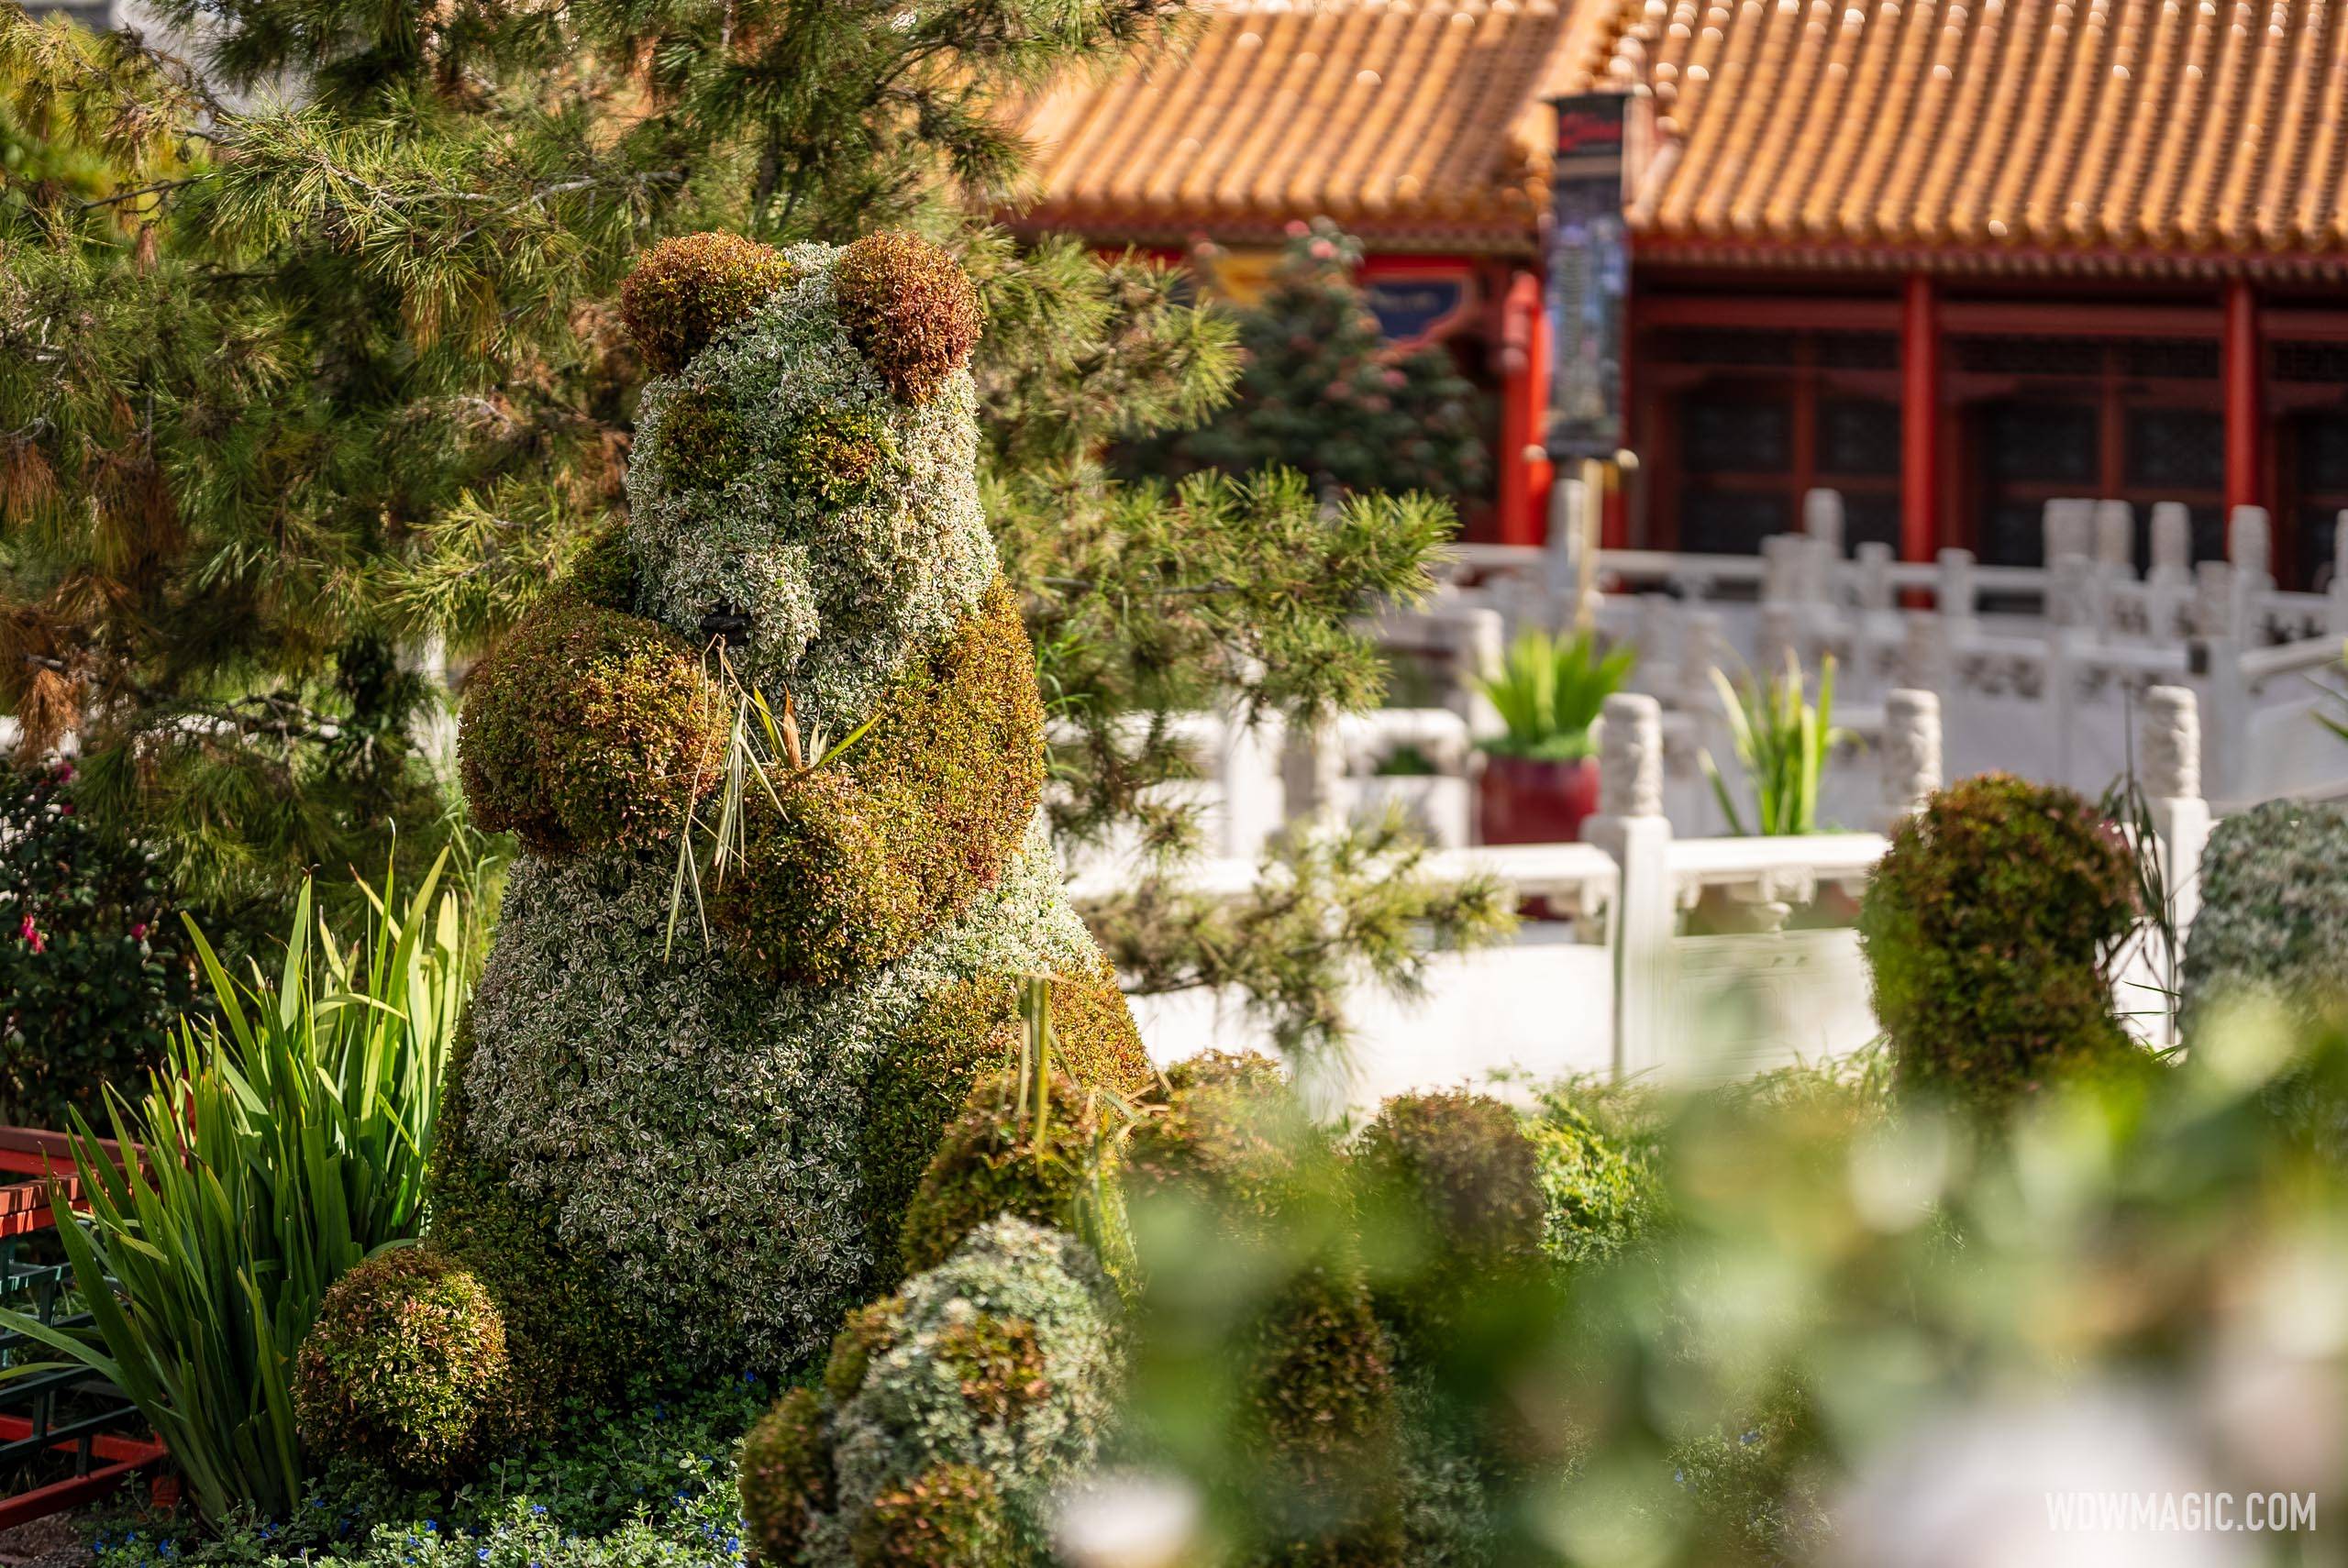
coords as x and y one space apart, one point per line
1920 421
1524 388
2245 481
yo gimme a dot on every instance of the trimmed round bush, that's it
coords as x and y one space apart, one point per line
1986 928
588 728
2274 917
909 309
784 1478
1231 1135
999 1363
689 289
1460 1168
1324 1424
987 1164
409 1349
948 1516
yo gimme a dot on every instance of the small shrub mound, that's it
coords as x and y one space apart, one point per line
785 1477
1231 1136
1986 928
1324 1425
908 307
947 1517
2274 917
588 729
407 1351
1458 1168
688 290
989 1165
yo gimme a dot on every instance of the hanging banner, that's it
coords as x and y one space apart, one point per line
1590 271
1416 305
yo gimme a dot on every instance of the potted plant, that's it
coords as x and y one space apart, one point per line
1783 740
1539 780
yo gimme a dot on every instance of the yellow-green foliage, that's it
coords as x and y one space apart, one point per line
703 436
785 1476
408 1351
870 853
947 1517
870 1331
838 455
925 1075
1230 1136
987 1164
1985 928
688 290
588 729
909 308
1601 1191
999 1363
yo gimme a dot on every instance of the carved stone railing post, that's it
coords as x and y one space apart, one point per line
2250 546
1784 563
2337 593
2168 769
2065 527
1956 594
2218 611
2172 545
1924 662
1657 640
1631 828
1822 526
2115 539
1911 750
1702 648
1777 638
1875 576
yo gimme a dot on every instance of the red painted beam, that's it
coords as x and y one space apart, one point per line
1919 405
2245 479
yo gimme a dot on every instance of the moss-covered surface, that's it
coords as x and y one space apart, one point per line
1985 927
897 833
921 1081
1230 1136
408 1351
987 1164
588 728
703 436
947 1517
909 309
1325 1427
870 1329
604 574
564 1334
785 1477
689 289
840 456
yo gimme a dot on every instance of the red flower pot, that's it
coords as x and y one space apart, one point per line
1523 800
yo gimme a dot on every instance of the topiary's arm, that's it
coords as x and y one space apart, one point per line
872 852
587 727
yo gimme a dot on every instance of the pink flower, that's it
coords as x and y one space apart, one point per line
139 932
1297 226
29 932
1322 250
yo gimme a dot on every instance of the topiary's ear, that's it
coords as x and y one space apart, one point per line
689 289
908 307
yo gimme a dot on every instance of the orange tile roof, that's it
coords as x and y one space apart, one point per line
2087 134
1417 122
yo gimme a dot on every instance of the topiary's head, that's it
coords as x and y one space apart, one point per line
804 483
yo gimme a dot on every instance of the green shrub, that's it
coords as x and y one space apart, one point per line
283 1143
94 968
1231 1137
1457 1167
988 1164
407 1350
785 1476
588 728
999 1363
1988 928
2274 917
1600 1193
688 290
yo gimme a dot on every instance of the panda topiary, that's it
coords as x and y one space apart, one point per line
657 1145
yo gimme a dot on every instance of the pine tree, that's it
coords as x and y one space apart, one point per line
310 374
1323 391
